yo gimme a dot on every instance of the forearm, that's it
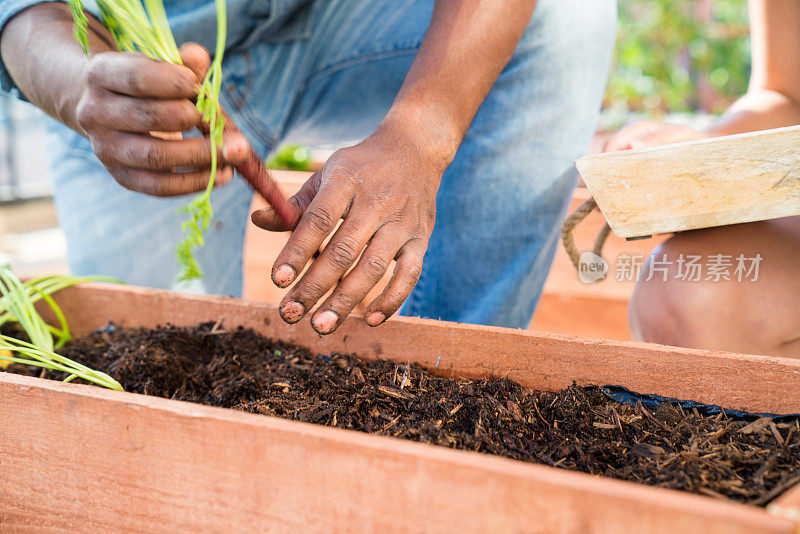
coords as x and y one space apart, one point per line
773 99
46 62
759 109
467 45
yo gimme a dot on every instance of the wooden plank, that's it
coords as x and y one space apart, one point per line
78 458
698 184
788 505
579 315
535 359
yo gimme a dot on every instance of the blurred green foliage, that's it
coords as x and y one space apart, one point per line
291 157
679 55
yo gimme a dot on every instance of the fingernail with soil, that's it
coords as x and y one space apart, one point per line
284 275
325 322
375 318
292 311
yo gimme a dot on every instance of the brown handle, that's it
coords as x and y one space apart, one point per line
261 180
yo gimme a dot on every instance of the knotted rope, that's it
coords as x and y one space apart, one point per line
568 228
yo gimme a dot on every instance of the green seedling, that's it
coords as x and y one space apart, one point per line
17 305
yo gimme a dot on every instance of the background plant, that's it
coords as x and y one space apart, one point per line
679 56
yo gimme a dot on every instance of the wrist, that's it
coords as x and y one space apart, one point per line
425 130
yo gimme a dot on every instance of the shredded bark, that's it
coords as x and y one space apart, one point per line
578 428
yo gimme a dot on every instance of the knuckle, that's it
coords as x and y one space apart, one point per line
100 150
308 292
154 156
343 252
86 112
185 115
122 176
148 113
375 266
158 188
380 199
97 70
413 268
343 302
295 251
321 218
341 169
430 221
134 81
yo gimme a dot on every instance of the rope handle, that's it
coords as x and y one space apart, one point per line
568 228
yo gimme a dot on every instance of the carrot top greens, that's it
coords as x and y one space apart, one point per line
17 305
142 26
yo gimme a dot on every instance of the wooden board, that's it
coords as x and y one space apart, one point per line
81 458
788 506
699 184
535 359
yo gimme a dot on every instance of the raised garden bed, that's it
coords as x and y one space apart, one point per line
81 457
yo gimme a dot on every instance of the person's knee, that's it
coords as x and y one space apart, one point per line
669 309
658 311
750 315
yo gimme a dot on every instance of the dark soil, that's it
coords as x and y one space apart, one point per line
578 428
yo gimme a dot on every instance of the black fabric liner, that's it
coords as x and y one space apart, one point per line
631 398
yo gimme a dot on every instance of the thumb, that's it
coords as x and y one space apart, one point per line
268 219
196 58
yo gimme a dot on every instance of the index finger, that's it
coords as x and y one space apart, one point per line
318 221
136 75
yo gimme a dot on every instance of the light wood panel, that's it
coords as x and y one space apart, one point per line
698 184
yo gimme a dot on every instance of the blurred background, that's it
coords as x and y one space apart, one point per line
679 60
684 58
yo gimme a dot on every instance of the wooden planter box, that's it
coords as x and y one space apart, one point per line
75 457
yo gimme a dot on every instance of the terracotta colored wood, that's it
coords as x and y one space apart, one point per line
699 184
582 316
79 458
535 359
788 506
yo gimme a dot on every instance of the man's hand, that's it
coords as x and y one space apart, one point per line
645 133
384 189
385 192
129 101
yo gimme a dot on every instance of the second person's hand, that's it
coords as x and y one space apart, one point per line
646 133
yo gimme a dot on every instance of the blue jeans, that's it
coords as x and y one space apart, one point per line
326 74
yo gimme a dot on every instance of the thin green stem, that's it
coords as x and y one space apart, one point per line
18 304
143 26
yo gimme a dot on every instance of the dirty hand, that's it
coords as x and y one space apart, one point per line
129 101
645 133
384 189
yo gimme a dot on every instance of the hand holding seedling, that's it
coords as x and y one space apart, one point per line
126 97
133 106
